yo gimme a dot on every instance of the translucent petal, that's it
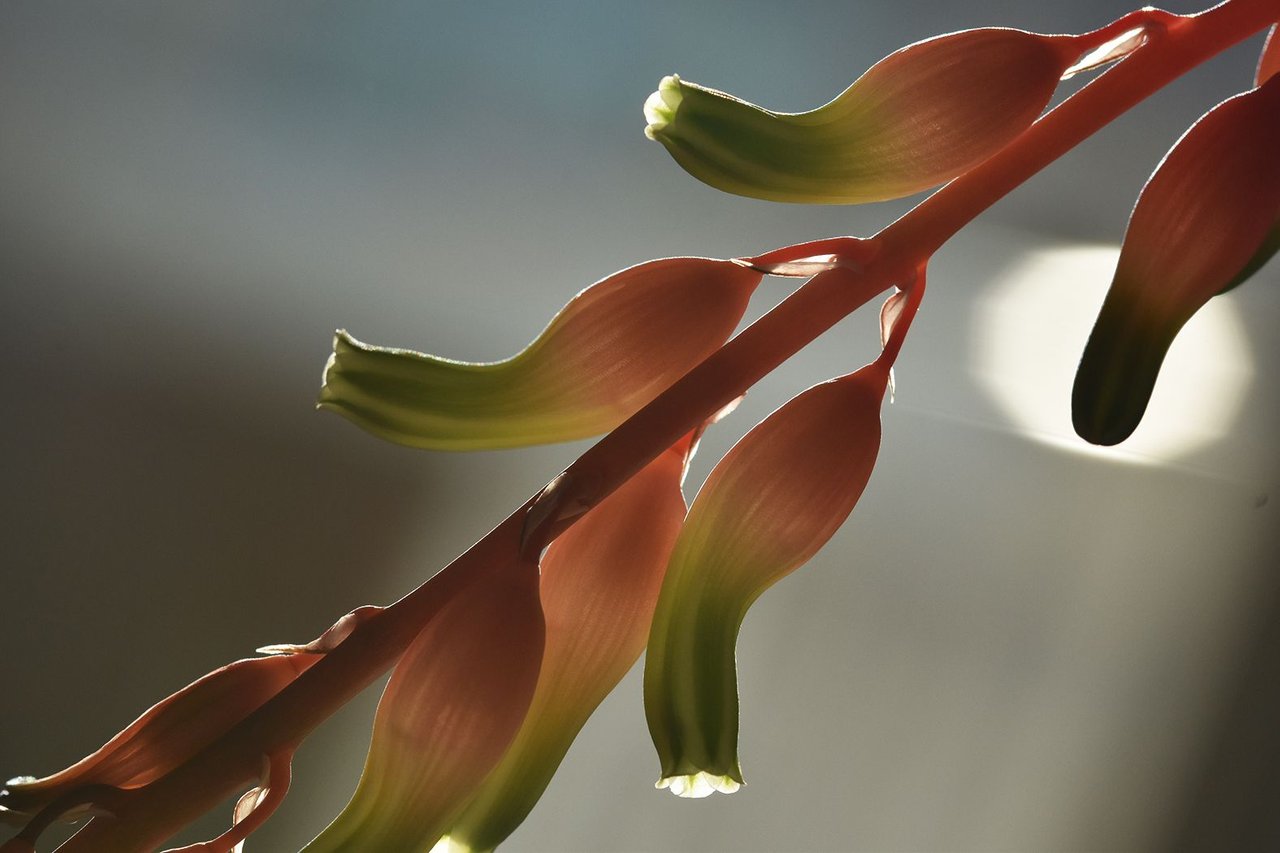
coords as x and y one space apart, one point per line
169 733
600 581
916 119
612 349
451 707
767 507
1203 221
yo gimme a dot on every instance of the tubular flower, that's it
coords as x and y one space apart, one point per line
768 506
916 119
611 350
1205 220
600 581
170 733
451 707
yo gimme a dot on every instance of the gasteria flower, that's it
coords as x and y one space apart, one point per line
1205 220
453 704
767 507
612 349
600 581
169 734
916 119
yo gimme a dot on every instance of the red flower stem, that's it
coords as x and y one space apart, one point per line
914 293
155 812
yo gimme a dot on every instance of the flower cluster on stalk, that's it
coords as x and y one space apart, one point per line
484 703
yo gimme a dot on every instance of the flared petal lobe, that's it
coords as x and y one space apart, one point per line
169 733
916 119
600 581
1205 219
451 707
767 507
611 350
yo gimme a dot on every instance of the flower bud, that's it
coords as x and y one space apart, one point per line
611 350
1205 220
767 507
916 119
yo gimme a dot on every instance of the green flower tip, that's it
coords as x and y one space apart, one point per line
660 107
695 786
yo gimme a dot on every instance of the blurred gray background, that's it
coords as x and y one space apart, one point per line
1012 645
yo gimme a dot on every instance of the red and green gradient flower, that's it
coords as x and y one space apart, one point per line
916 119
454 702
600 582
1205 221
612 349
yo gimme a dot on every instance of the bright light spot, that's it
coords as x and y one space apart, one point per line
698 785
1031 326
448 845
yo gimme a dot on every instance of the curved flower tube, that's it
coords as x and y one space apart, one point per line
453 704
169 734
611 350
1205 220
166 735
600 581
767 507
916 119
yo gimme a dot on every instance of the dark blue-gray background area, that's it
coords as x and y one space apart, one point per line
1011 645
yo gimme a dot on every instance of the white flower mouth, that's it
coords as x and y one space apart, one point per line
695 786
660 107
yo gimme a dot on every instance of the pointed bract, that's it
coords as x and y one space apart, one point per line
451 707
600 582
767 507
611 350
1269 61
1205 219
916 119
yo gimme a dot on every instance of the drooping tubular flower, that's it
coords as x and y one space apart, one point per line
769 505
600 582
611 350
916 119
170 733
766 508
1206 219
453 703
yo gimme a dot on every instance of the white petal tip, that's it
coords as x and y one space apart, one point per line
660 107
695 786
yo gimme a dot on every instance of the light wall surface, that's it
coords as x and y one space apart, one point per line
1011 645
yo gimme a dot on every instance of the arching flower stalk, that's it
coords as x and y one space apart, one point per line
501 656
